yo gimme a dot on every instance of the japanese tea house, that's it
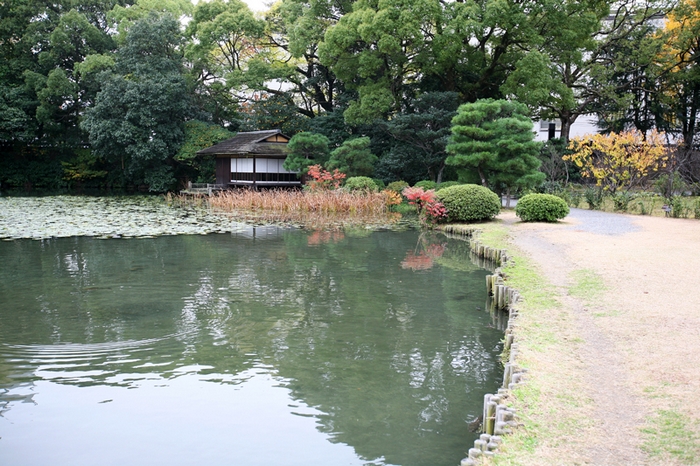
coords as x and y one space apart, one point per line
253 159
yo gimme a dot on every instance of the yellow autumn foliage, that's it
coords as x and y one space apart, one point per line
680 36
619 161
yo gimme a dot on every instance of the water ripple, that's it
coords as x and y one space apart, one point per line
91 363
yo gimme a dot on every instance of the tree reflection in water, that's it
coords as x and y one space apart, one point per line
387 346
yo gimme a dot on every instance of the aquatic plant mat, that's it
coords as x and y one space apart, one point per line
148 216
104 217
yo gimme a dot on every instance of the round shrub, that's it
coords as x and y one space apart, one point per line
397 186
447 184
360 183
425 184
469 203
541 208
380 183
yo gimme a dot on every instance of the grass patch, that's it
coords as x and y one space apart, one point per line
526 438
669 435
611 313
549 405
587 286
494 234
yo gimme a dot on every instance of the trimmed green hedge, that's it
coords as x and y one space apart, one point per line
360 183
541 208
469 203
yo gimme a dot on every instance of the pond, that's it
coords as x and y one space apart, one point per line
266 346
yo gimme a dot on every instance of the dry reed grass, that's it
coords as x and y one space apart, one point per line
307 208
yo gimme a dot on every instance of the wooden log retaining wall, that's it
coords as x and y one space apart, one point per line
498 419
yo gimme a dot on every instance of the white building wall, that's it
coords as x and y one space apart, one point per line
262 165
585 124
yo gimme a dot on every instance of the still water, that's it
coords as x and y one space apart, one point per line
268 347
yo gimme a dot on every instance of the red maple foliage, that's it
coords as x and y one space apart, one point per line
424 259
324 236
323 179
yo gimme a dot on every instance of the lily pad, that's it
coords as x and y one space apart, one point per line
105 217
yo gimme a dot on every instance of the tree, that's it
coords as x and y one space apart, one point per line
18 21
565 70
555 168
225 49
16 124
633 82
125 14
137 121
494 139
276 111
676 76
374 49
60 96
678 67
294 29
353 158
420 135
200 135
619 161
390 51
306 149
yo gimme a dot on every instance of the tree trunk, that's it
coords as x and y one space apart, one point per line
565 128
567 119
690 132
438 179
483 178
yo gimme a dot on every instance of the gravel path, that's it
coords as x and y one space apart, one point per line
638 334
602 223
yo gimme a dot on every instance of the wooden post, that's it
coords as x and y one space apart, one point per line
255 173
507 372
490 419
485 413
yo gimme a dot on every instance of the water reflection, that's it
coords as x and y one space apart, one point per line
389 360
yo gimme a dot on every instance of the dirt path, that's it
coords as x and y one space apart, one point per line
629 287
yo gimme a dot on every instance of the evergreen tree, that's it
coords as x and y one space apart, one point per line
494 140
306 149
420 136
137 122
353 158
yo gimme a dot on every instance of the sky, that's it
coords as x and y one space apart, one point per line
258 5
254 5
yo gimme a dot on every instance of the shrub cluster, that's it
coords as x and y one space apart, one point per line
425 184
397 186
361 183
446 184
430 210
541 208
381 185
469 203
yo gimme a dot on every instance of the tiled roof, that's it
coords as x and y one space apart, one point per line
251 142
